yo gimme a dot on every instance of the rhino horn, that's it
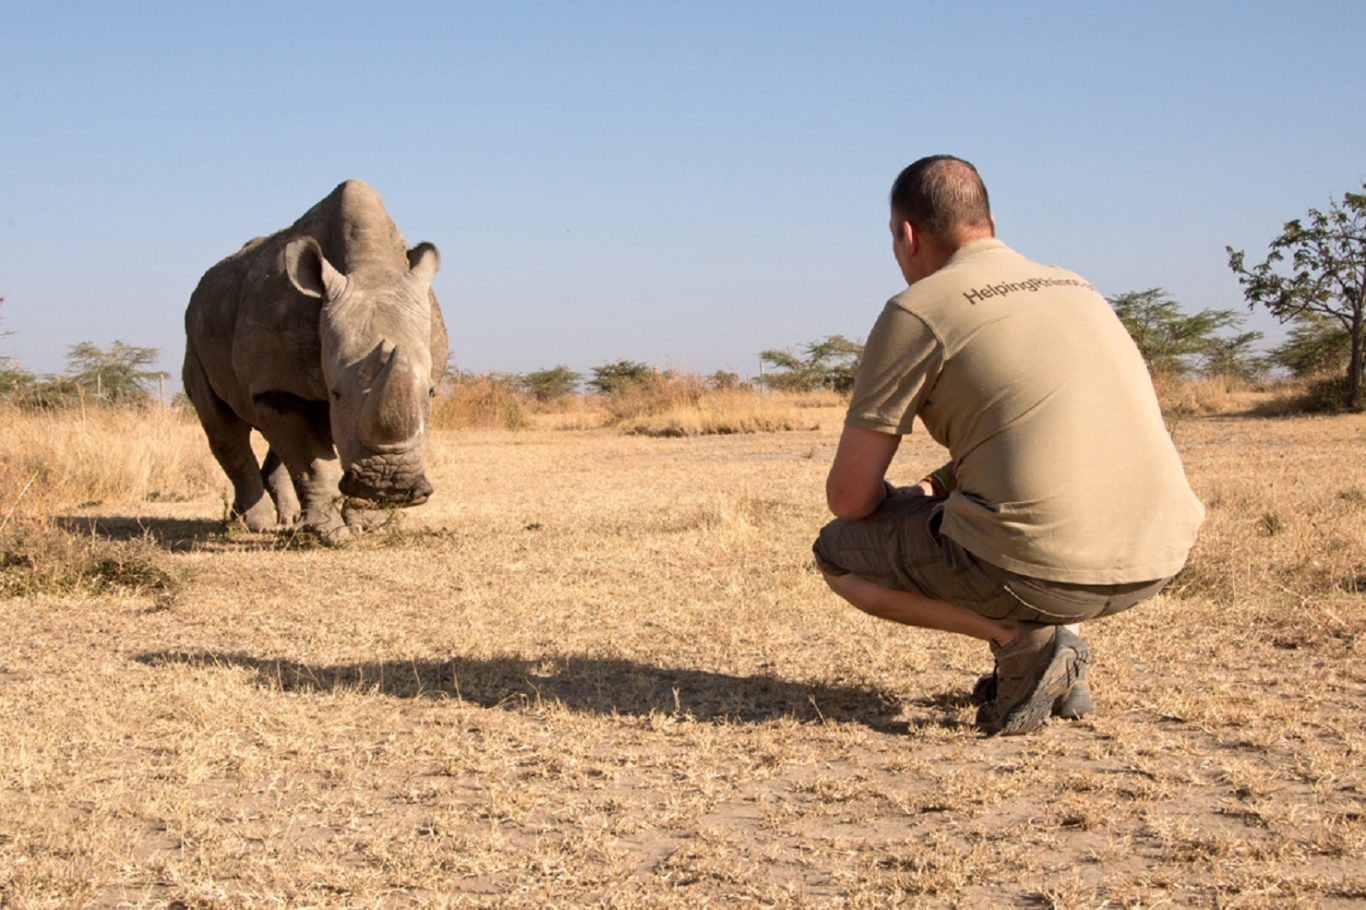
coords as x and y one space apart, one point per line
392 413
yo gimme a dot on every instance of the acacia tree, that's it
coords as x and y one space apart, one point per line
1169 339
830 363
116 375
1233 357
619 376
549 385
1317 266
13 378
1315 345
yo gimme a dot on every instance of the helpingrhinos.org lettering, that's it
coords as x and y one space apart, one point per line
976 295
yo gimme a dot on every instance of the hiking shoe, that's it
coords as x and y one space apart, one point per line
1077 702
1032 673
1074 704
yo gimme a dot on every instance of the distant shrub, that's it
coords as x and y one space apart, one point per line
724 381
652 393
621 376
831 363
1322 394
551 385
480 401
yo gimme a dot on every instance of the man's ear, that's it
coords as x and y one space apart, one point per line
909 236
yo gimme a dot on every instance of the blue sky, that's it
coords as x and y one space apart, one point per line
684 184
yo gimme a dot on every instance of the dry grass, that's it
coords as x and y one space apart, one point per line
667 403
598 670
102 454
719 413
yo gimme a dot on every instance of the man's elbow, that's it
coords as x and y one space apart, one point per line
845 503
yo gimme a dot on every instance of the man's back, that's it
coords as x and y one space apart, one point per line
1065 469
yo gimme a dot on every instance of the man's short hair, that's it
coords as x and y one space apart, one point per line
941 193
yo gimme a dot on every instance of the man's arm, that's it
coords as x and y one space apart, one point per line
856 485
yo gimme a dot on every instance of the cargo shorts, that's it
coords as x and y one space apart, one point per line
899 546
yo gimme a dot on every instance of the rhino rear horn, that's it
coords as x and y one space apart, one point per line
374 363
309 271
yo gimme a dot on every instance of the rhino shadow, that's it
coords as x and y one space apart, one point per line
599 685
177 535
182 535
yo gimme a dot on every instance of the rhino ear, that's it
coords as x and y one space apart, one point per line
423 261
309 271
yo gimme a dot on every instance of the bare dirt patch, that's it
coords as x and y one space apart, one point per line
599 670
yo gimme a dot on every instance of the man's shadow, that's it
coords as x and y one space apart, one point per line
598 685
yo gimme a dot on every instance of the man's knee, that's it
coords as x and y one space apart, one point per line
825 549
834 580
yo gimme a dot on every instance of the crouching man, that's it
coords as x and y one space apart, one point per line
1064 501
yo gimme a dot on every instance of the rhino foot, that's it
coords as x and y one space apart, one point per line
362 519
260 517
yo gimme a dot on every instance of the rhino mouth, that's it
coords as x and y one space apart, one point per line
415 494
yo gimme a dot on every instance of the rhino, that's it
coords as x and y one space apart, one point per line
327 339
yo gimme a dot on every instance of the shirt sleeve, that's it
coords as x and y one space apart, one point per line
900 364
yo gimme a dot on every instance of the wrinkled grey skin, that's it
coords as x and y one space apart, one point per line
327 339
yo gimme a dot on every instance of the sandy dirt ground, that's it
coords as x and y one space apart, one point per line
600 670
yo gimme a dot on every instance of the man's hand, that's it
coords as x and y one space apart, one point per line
856 485
924 488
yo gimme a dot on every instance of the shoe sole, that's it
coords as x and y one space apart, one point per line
1070 655
1075 705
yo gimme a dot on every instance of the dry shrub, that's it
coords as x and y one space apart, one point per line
63 458
656 393
481 402
721 413
682 404
58 459
1186 396
1306 395
37 557
816 398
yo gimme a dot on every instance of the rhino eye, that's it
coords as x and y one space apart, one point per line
431 393
336 396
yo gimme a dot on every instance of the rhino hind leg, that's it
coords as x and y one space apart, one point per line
300 437
280 485
230 442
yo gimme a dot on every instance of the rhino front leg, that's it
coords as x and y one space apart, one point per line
301 438
250 505
230 442
281 487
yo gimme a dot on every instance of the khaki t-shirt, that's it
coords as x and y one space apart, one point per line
1065 469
